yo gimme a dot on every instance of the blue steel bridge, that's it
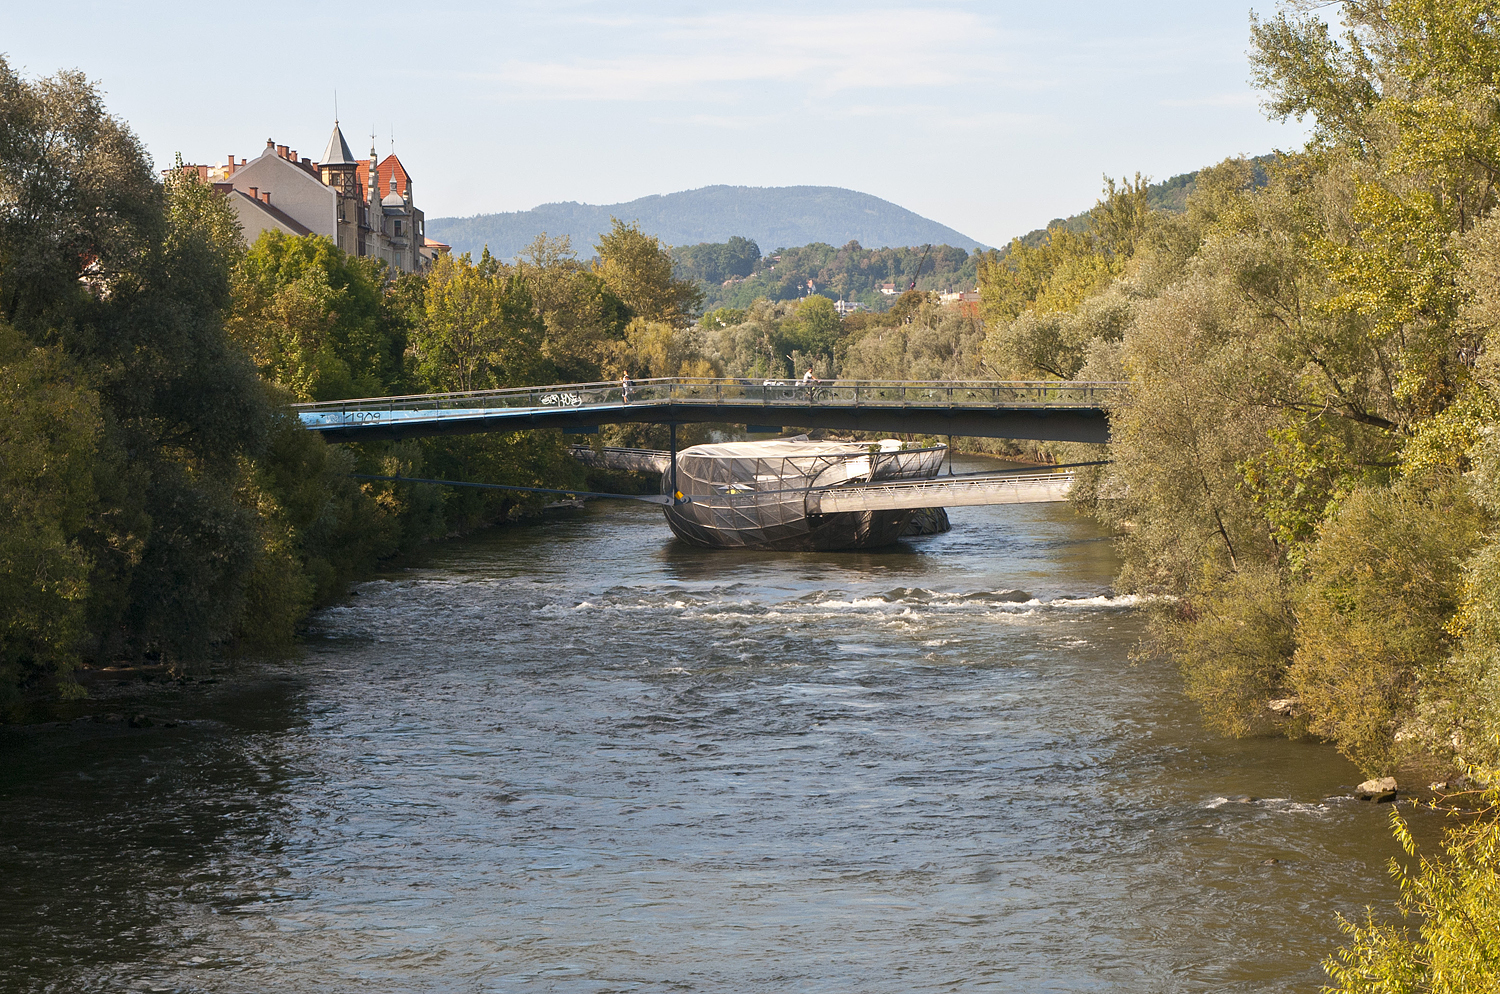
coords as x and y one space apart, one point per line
1048 410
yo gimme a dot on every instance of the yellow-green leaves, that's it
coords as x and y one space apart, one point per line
638 269
1296 481
479 329
1400 266
1066 267
1233 637
1382 581
311 317
1453 900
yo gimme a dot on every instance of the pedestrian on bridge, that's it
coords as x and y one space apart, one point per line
627 387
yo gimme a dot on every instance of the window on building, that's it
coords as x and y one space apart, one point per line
398 227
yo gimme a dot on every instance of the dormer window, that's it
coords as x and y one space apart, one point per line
398 227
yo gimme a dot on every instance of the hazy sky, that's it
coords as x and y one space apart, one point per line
990 117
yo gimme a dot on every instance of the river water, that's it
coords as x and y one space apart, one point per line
582 756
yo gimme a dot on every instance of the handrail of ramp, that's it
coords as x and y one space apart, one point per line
724 392
942 492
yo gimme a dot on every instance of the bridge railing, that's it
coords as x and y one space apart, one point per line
730 392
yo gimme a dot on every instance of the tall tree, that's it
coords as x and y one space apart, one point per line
129 279
315 319
638 269
480 329
584 319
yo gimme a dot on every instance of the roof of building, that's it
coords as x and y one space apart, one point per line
393 200
431 243
296 226
337 153
384 170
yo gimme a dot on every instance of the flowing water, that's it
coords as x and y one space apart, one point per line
582 756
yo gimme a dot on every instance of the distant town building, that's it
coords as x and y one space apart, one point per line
957 296
364 206
845 307
889 289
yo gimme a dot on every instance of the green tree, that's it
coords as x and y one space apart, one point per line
129 278
479 329
78 200
49 431
638 270
584 319
814 330
1384 580
714 262
315 319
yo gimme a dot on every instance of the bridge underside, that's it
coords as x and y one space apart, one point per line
1081 424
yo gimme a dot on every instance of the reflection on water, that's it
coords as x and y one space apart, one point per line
585 757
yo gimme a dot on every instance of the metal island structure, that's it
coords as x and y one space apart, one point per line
768 494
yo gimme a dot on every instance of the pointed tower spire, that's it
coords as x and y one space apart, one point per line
374 175
337 153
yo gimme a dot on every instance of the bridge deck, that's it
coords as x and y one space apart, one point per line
1046 410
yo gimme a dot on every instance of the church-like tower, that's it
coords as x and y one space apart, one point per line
339 170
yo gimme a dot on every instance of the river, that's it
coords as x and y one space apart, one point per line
581 756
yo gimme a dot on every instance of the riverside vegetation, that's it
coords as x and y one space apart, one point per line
1305 474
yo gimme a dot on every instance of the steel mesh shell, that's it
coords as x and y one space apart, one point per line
754 494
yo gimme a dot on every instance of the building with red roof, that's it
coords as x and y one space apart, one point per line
364 206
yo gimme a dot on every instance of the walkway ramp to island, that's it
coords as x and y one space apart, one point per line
1031 488
1045 410
620 458
962 491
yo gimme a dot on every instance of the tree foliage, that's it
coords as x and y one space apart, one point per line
49 434
638 270
479 329
715 262
131 408
1455 901
582 316
313 319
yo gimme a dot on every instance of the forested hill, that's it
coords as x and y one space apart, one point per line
772 216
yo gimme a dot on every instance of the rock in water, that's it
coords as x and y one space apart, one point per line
1379 789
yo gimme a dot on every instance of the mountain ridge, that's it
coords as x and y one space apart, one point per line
772 216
